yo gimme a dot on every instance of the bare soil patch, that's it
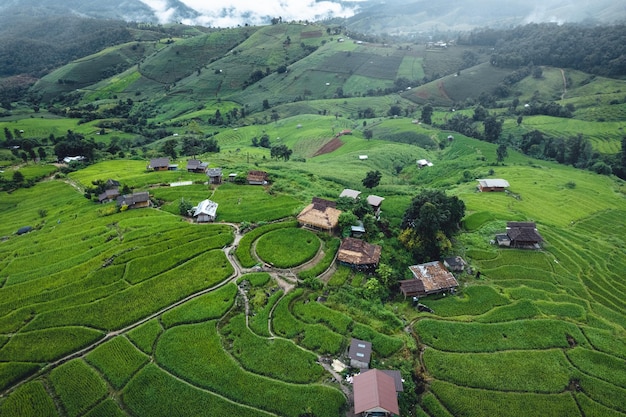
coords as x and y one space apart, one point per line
329 147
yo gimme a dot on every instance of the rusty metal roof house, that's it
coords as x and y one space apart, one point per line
429 278
360 353
320 215
258 178
358 254
375 392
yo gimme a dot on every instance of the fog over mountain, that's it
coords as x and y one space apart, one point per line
367 16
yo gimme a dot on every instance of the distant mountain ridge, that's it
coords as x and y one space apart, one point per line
394 17
129 10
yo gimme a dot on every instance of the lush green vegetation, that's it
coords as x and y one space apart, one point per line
286 248
152 299
244 249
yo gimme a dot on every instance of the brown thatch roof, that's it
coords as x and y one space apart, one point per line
320 214
358 252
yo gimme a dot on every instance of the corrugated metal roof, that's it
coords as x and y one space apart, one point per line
494 183
374 390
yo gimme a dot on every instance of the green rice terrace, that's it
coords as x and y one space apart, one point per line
142 307
108 310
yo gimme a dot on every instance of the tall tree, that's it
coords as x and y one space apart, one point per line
169 148
493 129
372 179
502 152
427 113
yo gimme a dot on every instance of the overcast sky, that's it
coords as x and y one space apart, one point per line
230 13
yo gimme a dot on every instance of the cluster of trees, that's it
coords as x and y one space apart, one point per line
227 118
75 144
492 127
576 151
429 223
264 142
280 152
193 145
597 50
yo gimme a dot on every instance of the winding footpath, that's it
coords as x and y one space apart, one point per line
279 275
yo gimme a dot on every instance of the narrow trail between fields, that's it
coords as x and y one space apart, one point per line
286 279
564 84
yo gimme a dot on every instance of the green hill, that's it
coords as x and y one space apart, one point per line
106 310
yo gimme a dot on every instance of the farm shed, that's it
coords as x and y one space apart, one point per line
520 235
215 175
195 165
320 215
135 200
69 159
358 254
429 278
159 164
205 211
422 163
360 353
258 178
455 263
357 230
375 201
487 185
375 392
109 195
347 192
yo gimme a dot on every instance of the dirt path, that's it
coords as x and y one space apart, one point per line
564 84
286 279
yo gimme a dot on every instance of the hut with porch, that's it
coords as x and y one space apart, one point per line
358 254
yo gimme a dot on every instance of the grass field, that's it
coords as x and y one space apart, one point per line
171 326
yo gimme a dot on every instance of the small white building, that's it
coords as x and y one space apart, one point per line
206 211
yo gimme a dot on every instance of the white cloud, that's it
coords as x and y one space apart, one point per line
161 10
240 12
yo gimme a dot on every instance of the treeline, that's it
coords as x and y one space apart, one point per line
576 151
597 50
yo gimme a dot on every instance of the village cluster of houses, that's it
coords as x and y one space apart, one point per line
205 211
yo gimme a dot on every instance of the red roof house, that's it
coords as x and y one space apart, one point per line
375 392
